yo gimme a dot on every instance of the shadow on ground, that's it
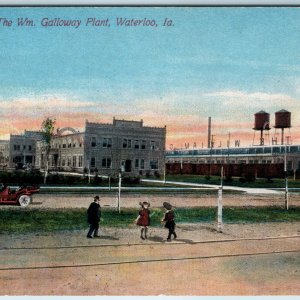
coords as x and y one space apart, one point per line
107 237
159 239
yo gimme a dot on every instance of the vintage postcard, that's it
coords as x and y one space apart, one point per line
149 151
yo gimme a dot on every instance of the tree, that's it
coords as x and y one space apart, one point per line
48 133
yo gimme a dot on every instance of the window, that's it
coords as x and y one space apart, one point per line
63 162
64 146
107 142
24 147
93 142
129 143
143 145
69 145
142 163
124 143
69 161
93 162
80 161
152 145
74 161
153 164
136 165
136 144
106 162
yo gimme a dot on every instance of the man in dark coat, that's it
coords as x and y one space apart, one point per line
94 214
169 220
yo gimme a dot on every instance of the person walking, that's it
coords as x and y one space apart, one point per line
94 214
143 219
169 220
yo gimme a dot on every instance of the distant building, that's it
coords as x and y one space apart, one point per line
22 148
4 153
124 145
261 161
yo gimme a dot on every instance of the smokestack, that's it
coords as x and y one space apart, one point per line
209 133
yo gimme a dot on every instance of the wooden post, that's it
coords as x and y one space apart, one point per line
220 208
286 182
119 192
222 171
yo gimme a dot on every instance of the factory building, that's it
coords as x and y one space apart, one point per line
22 148
123 145
4 153
260 160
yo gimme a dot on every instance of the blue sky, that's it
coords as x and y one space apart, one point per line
227 63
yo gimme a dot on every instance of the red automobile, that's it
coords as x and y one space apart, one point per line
20 196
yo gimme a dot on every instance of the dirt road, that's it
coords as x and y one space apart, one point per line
242 267
178 200
201 262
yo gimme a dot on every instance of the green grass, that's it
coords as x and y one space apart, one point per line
258 183
18 220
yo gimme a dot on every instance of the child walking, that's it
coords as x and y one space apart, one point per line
169 219
143 219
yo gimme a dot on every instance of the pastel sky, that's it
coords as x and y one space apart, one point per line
227 63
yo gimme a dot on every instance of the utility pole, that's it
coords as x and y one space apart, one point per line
220 210
286 180
119 191
209 133
220 205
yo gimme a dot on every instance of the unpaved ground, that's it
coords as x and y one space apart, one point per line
184 200
192 271
119 263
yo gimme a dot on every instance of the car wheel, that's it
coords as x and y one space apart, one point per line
24 200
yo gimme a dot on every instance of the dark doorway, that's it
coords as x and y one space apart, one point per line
128 165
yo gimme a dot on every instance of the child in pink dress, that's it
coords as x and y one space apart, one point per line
143 219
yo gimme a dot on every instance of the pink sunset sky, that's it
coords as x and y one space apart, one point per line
184 126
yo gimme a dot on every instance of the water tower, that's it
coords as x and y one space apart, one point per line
282 120
262 122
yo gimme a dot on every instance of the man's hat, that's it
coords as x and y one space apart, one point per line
96 198
167 205
144 203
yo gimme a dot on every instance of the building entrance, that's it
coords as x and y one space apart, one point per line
128 165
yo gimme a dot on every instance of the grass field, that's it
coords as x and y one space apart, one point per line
18 220
258 183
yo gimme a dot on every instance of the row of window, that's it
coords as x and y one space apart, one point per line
70 161
240 161
23 147
106 142
236 151
126 143
106 162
